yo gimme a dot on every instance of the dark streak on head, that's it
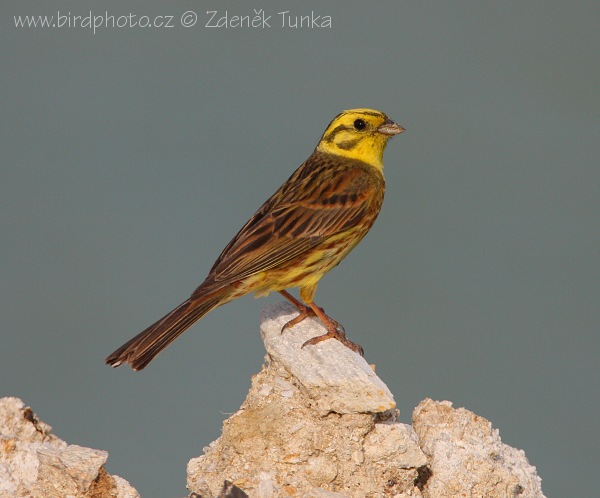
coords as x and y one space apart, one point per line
334 132
348 144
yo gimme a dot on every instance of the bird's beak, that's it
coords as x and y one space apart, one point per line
390 128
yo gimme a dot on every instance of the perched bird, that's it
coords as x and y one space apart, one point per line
300 233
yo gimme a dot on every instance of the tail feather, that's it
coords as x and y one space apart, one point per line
140 350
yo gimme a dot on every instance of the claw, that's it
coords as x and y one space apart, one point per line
340 336
334 329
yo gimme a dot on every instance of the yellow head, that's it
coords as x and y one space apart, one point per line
359 134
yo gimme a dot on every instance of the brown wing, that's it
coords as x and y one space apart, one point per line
324 197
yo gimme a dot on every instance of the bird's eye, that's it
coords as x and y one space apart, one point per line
359 124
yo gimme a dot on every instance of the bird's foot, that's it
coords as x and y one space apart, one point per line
335 331
305 312
334 328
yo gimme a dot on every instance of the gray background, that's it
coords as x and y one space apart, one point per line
131 156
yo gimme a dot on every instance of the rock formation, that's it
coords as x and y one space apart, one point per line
36 463
318 422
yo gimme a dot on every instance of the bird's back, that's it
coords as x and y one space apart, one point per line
305 228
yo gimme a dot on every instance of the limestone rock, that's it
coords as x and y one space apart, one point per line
317 422
467 457
34 462
336 378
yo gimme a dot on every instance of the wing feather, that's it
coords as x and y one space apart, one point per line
318 201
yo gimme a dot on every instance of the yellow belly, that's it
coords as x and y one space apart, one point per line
306 270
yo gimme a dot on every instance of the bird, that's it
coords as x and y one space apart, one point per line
299 234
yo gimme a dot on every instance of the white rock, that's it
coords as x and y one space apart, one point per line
68 471
336 378
317 422
34 462
467 457
395 444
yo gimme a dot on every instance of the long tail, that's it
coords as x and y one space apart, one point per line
140 350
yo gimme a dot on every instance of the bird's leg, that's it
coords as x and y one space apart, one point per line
305 311
334 328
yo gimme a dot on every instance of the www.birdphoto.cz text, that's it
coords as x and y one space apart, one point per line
220 19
